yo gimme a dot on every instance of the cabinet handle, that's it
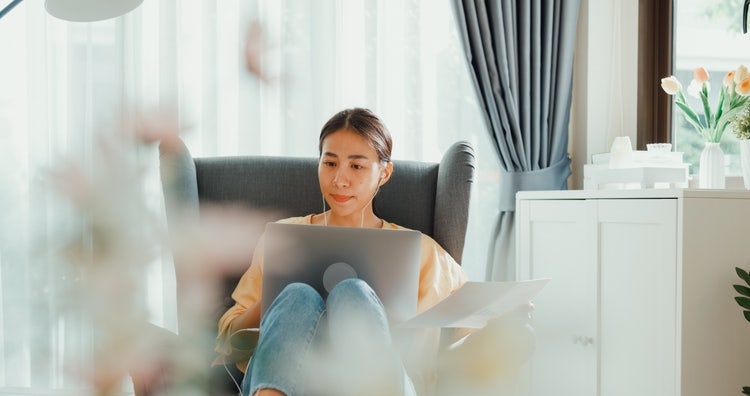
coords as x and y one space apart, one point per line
583 340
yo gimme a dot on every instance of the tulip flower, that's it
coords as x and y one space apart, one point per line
743 88
700 74
740 74
729 79
670 85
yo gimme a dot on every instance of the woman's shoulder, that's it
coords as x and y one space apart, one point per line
427 240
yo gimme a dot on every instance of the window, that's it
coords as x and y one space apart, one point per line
708 34
677 36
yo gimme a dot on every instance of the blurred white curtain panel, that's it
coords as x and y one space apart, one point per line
66 87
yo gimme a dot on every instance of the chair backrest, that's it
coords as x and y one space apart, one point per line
430 197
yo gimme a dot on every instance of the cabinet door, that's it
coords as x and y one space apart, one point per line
556 240
638 304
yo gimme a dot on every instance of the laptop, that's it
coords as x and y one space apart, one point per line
322 256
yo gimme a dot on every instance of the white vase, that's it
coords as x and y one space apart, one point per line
711 172
745 161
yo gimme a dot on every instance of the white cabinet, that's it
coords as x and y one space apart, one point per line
641 299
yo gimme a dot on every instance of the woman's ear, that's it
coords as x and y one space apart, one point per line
385 173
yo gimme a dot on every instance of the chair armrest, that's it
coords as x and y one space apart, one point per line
455 178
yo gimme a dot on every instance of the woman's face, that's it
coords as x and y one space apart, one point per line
349 172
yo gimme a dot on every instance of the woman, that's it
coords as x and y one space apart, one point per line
300 333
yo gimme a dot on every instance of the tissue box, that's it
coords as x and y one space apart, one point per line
648 170
652 158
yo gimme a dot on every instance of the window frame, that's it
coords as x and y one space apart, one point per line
655 60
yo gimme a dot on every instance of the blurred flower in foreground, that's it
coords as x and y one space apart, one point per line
118 238
488 361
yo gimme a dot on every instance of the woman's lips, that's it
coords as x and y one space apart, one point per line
341 198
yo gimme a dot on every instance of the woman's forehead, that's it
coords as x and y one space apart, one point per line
345 143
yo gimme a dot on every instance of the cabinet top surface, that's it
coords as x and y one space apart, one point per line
634 194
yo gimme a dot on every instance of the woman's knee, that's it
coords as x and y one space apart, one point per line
297 299
354 294
299 289
350 290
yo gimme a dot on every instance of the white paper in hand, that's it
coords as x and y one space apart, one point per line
475 303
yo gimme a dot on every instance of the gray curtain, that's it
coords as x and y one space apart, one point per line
521 58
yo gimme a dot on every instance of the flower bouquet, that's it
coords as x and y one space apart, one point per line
711 126
732 97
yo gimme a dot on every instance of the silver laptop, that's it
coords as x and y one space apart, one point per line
322 256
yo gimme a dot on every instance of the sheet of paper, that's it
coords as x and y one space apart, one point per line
475 303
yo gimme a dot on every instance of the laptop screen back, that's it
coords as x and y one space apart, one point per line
321 256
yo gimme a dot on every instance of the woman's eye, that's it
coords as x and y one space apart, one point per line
357 166
329 163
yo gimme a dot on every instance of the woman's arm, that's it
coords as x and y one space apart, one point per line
249 319
245 314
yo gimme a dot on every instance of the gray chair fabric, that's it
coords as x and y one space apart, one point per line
430 197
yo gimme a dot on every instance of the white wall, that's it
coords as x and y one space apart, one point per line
604 80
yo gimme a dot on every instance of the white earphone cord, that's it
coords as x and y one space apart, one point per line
362 224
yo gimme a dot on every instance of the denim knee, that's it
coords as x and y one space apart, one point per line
299 289
354 307
297 299
351 290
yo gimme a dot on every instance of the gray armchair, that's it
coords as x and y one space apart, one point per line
430 197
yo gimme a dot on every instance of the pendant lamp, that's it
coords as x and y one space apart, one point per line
89 10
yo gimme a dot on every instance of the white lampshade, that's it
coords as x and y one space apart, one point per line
89 10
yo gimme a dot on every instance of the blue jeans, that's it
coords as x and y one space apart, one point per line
341 346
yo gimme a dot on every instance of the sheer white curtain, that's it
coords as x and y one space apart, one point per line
64 85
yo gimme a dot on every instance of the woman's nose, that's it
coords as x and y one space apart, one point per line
340 179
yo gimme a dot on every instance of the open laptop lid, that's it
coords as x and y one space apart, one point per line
322 256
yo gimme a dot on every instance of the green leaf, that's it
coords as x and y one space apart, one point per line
720 106
743 274
690 115
746 390
743 301
747 315
706 106
744 290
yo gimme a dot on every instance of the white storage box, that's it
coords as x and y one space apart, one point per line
649 169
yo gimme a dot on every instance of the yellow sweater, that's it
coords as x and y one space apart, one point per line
439 276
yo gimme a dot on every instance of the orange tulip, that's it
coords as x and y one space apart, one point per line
740 74
700 74
743 88
729 79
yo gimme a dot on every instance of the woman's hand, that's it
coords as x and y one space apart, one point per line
244 333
